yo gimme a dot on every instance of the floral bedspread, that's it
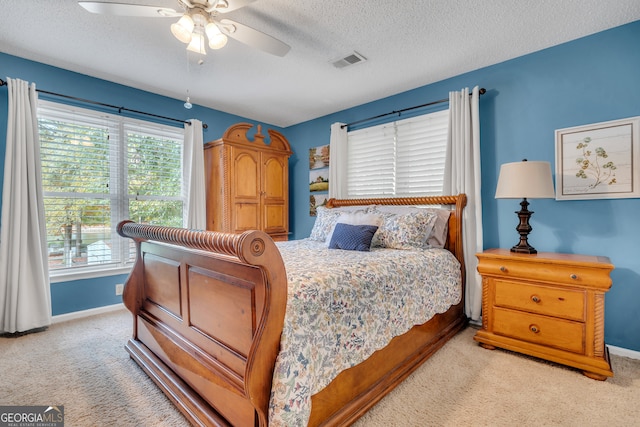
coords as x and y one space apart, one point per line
343 306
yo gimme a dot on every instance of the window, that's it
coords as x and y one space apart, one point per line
404 158
98 169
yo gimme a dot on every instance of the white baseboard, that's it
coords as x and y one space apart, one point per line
86 313
624 352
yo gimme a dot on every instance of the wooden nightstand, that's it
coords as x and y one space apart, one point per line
546 305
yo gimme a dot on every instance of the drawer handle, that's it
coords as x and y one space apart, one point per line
503 269
534 329
535 298
574 276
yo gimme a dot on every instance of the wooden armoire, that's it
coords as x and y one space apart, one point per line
247 182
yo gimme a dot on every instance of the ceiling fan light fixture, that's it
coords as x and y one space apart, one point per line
197 43
192 20
217 40
183 29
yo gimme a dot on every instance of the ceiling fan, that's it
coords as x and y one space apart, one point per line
199 18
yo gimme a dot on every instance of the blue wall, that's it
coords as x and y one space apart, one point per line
589 80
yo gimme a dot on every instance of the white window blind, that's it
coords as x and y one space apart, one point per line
404 158
98 169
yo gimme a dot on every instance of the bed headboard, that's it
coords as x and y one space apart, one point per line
456 203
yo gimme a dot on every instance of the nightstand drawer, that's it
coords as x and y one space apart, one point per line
537 270
557 302
561 334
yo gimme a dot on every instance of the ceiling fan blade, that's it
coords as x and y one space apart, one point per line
230 5
253 38
125 9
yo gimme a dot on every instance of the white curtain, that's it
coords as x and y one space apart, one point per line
462 175
25 295
195 216
338 161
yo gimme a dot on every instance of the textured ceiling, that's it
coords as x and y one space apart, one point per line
407 44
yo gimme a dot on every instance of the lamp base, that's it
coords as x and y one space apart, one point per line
523 247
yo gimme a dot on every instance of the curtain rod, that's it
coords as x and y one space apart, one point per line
482 91
120 109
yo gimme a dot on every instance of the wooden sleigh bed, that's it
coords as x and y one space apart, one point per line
209 310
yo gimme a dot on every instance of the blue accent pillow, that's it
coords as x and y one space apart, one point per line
352 237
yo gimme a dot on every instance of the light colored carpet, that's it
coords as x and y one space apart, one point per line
82 365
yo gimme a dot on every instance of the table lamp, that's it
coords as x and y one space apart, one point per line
526 180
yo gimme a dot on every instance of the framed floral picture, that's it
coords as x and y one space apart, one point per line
598 161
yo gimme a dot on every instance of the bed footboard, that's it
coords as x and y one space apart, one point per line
208 313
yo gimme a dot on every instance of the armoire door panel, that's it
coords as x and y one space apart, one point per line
247 217
246 173
274 178
275 218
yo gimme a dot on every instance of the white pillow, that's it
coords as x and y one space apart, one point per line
355 218
440 230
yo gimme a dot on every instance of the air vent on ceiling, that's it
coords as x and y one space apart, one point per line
352 59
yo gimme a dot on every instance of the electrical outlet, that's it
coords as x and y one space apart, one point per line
119 289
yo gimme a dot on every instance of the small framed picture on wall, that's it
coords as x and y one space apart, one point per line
319 157
319 180
316 200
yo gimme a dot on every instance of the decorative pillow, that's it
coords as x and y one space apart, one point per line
438 236
405 231
352 237
355 218
326 219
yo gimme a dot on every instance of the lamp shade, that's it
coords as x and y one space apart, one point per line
197 43
217 40
183 28
530 180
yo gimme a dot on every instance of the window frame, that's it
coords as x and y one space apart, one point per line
118 195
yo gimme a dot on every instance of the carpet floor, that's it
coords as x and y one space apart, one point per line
82 365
